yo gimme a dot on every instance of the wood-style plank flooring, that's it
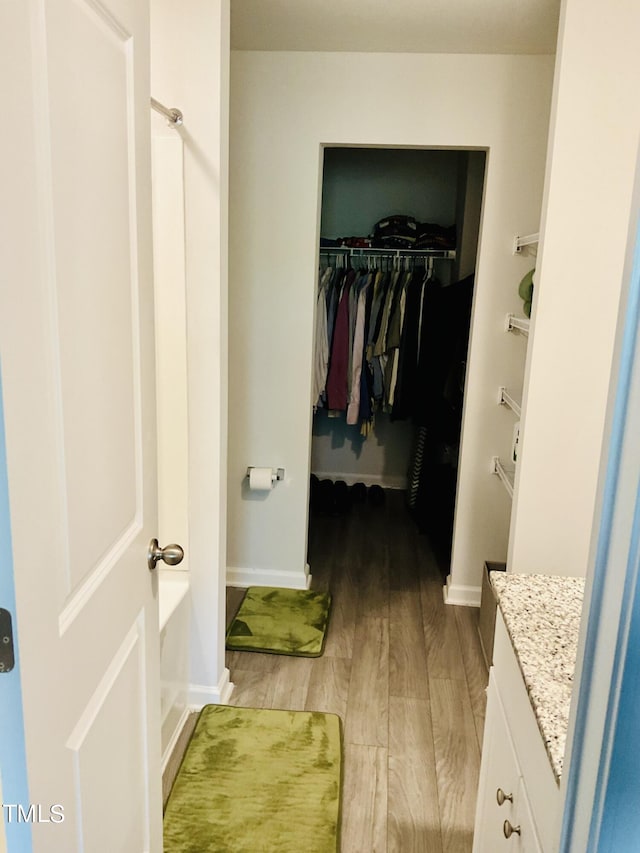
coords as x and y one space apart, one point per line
403 671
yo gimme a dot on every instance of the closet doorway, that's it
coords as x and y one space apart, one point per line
397 252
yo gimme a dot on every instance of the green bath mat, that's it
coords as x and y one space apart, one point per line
281 621
256 781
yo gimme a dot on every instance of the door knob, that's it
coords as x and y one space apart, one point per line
7 658
502 798
508 829
171 554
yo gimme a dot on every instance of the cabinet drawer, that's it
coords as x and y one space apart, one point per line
499 772
543 793
528 838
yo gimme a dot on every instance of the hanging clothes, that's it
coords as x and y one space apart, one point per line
321 352
373 342
337 378
444 342
353 409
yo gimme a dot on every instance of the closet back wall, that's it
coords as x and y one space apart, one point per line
284 107
361 186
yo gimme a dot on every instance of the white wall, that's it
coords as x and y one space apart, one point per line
190 70
593 150
339 452
171 334
279 121
470 213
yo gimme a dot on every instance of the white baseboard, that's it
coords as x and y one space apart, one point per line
166 755
387 481
467 596
200 695
266 577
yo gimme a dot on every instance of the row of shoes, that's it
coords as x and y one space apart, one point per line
336 498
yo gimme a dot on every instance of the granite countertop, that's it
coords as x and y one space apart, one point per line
542 615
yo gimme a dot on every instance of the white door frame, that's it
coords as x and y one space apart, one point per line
606 661
14 787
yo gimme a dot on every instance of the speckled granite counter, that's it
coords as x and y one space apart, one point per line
542 614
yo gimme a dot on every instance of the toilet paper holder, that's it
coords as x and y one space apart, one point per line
276 473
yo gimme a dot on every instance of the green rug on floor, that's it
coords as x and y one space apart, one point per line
257 781
281 621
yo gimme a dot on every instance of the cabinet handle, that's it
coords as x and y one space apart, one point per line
502 798
508 829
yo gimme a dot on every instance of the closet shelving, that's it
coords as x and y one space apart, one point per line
505 399
506 475
448 254
520 243
520 324
512 324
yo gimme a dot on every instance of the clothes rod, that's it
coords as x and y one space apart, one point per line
448 254
172 114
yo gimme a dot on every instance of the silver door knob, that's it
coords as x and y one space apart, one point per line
502 798
171 554
509 830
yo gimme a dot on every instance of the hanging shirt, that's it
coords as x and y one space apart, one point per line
333 297
365 415
321 351
406 389
339 360
353 409
396 339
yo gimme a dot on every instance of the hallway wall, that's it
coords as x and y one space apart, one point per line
284 107
592 160
190 70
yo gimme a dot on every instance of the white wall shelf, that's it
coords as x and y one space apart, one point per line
519 243
520 324
506 476
505 399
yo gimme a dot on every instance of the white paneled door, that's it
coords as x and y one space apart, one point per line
76 309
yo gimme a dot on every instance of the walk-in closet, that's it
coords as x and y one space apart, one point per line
396 263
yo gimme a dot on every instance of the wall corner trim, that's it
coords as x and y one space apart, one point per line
466 596
266 577
171 745
200 695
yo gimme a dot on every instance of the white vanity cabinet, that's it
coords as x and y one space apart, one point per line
518 797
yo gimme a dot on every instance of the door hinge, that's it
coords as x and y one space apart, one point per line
7 657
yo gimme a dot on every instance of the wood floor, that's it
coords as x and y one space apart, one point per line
403 671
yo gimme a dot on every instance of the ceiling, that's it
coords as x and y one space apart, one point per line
396 26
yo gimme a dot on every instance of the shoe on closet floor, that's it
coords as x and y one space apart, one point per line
324 497
341 497
376 495
358 493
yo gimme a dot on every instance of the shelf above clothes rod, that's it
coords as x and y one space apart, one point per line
447 254
505 399
507 477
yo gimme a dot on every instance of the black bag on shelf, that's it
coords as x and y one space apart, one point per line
395 232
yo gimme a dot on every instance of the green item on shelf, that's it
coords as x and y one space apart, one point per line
525 289
256 780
